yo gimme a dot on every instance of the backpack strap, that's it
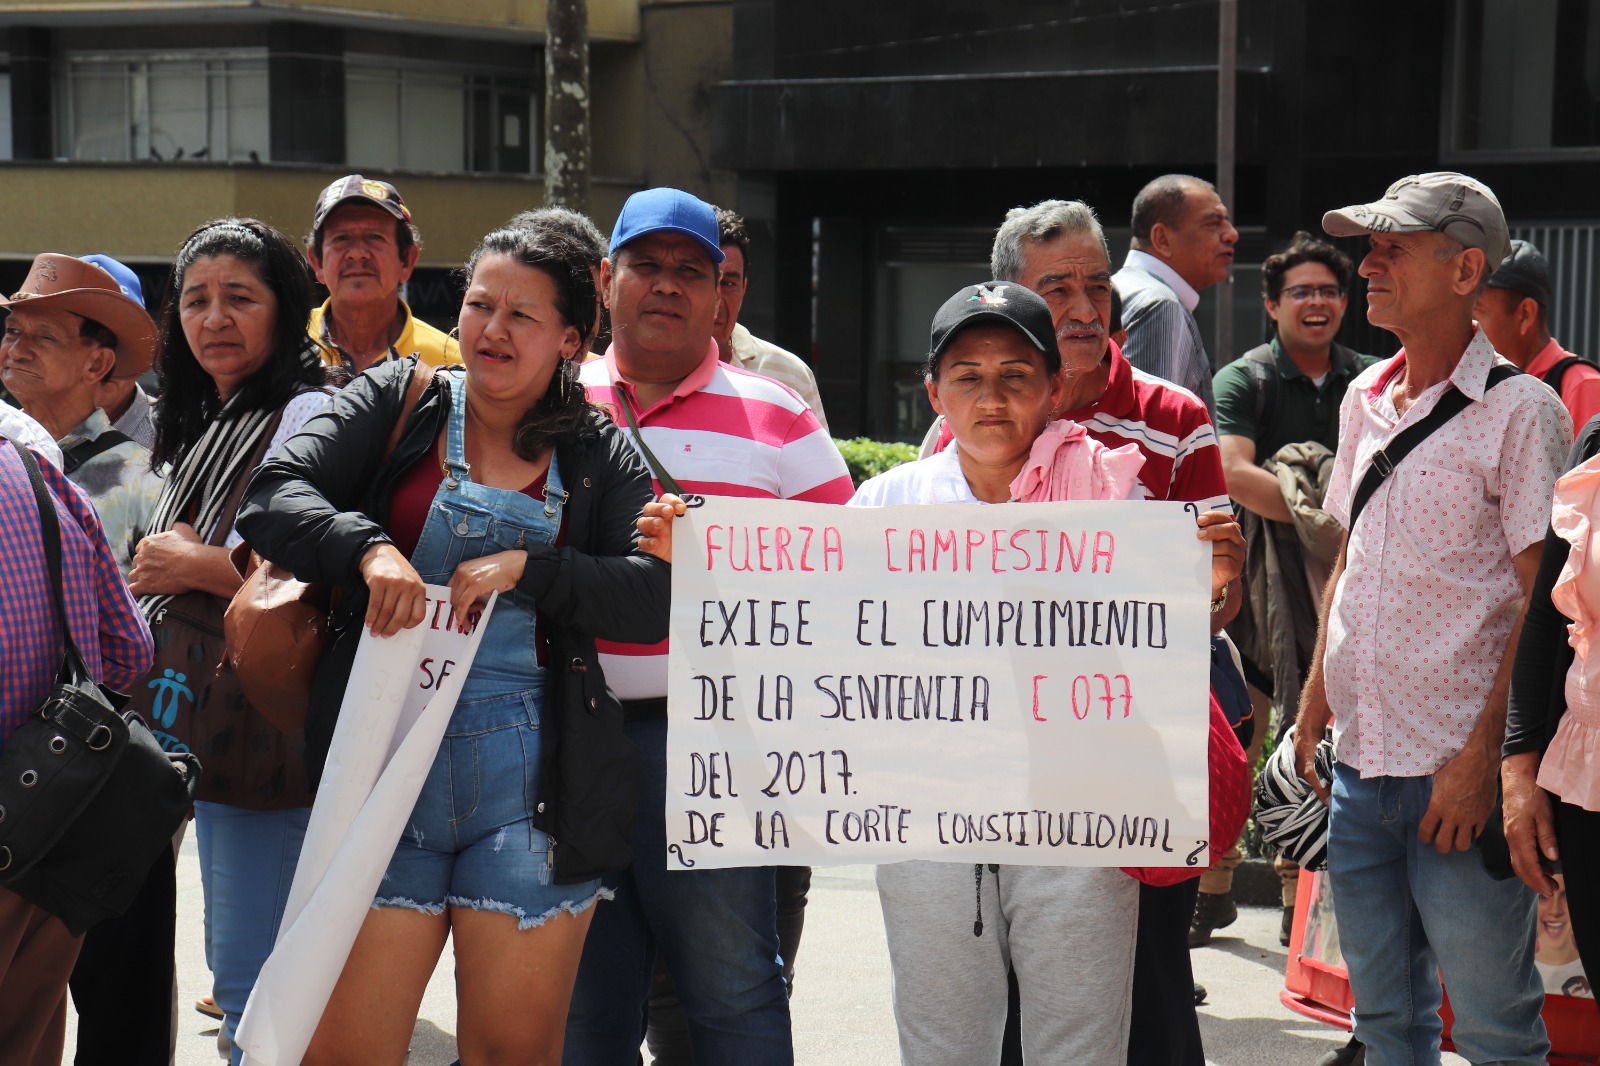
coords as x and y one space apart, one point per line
1263 369
1452 403
1345 360
1555 374
74 457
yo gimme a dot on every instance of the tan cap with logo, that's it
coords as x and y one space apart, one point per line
1442 201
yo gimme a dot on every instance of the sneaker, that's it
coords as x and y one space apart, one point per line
1286 927
1200 997
1352 1054
1212 911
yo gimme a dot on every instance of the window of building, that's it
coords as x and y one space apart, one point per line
168 108
411 116
1526 79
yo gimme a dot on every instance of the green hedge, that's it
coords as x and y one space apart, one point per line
868 458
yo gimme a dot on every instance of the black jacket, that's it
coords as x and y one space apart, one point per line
1539 673
319 505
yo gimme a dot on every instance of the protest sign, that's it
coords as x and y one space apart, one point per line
1021 683
398 701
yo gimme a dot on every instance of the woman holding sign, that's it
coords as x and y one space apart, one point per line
504 479
954 929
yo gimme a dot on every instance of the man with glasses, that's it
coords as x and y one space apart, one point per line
1288 390
1277 409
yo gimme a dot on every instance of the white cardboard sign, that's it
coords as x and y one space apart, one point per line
398 702
1021 683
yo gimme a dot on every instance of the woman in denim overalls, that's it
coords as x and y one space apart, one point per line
470 862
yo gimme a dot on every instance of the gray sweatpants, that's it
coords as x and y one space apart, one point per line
1068 931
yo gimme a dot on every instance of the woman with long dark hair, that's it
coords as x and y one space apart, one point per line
239 377
503 479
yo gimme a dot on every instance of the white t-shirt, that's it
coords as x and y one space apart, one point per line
936 479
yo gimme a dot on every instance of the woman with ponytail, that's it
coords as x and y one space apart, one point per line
505 480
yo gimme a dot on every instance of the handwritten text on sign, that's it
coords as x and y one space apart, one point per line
1024 683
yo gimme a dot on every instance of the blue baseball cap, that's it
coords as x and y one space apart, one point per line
126 279
668 211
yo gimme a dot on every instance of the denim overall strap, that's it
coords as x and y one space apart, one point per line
467 520
457 469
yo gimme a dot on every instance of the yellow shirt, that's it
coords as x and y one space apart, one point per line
436 348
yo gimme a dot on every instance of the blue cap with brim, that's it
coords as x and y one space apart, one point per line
668 211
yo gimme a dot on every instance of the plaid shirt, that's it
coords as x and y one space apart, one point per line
105 620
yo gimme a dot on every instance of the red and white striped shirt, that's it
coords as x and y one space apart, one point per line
722 432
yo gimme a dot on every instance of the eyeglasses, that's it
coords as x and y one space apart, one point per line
1302 293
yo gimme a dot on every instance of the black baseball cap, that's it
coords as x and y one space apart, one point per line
1524 271
996 301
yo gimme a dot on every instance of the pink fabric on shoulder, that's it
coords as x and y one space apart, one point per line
1571 764
1068 464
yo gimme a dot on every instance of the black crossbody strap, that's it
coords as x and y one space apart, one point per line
72 663
656 468
74 457
1452 403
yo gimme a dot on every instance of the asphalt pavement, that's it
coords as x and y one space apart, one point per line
842 1012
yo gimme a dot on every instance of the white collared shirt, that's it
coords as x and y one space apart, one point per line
1429 595
1151 265
1163 337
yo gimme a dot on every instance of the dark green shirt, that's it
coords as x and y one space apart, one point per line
1300 410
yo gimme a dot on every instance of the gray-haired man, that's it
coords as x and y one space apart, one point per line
1057 249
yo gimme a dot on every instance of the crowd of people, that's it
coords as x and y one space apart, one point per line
1400 555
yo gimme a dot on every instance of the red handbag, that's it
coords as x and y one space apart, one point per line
1230 803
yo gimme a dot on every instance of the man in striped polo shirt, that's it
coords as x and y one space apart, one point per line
718 431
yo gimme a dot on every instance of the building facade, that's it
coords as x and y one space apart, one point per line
881 144
125 123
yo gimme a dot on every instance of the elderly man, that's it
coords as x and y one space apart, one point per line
736 343
363 247
130 408
1182 244
73 328
70 330
1419 628
1058 250
717 430
36 950
1514 312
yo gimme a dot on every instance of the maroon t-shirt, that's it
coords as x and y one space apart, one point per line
414 493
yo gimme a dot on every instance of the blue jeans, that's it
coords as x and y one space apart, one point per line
717 931
1408 916
247 861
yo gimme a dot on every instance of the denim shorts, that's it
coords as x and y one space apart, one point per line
470 842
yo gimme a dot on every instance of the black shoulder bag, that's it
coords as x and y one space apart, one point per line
88 799
1492 849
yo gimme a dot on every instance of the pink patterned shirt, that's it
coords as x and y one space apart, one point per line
1429 594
